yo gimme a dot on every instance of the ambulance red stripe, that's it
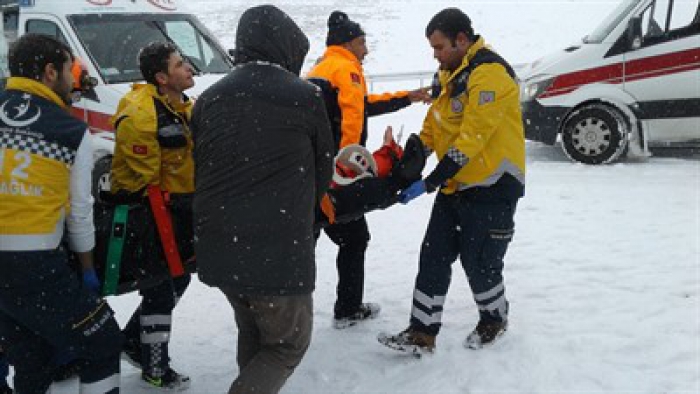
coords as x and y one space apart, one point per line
649 67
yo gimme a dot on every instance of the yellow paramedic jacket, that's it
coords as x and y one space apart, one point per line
45 166
146 123
484 123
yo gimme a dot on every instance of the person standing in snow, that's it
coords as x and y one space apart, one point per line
154 147
475 127
45 182
264 156
339 74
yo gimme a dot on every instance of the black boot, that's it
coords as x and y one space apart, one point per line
409 168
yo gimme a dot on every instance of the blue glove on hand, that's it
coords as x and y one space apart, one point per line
90 281
416 189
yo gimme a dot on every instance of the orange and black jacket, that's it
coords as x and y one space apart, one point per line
339 75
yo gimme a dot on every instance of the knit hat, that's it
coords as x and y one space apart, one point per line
341 29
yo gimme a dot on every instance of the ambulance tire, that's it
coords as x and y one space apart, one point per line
100 176
595 134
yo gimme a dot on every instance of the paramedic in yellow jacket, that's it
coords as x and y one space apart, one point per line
340 76
154 147
475 128
45 182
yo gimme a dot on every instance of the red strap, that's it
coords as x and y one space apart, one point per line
165 230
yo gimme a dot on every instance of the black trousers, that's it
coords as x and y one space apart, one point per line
352 239
151 323
477 228
43 308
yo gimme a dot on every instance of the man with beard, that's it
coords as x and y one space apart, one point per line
45 182
475 128
263 153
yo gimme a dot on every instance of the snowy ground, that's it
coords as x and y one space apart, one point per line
603 275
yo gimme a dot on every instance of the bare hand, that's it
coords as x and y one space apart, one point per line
388 136
422 94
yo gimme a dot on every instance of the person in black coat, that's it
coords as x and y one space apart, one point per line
263 161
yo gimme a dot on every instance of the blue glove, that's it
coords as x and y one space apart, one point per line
416 189
90 281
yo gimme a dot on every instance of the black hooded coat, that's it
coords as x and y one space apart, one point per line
263 160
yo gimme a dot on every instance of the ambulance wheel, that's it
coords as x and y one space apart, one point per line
100 176
595 134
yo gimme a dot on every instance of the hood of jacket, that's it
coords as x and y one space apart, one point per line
265 33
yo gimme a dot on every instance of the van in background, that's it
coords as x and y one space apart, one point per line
633 83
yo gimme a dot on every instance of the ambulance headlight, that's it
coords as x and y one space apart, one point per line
534 87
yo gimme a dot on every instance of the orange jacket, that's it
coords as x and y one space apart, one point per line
341 69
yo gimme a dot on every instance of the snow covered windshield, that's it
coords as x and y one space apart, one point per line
113 42
611 22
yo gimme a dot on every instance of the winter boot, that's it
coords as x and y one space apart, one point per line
409 341
409 168
169 381
485 333
366 311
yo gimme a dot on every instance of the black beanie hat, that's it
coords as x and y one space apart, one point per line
341 29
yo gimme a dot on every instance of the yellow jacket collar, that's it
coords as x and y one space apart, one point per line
34 87
151 90
339 51
479 44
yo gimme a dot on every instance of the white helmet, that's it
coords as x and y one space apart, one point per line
353 162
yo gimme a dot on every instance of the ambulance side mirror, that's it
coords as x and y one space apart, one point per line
232 54
634 33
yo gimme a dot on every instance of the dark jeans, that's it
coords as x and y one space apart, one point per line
476 228
352 239
44 308
274 333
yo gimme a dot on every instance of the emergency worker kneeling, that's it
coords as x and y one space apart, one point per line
45 313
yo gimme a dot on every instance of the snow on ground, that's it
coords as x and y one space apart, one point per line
603 274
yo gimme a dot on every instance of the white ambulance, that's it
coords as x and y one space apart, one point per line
107 35
633 83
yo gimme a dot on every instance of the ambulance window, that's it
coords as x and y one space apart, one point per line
113 41
191 43
611 21
683 13
47 28
654 19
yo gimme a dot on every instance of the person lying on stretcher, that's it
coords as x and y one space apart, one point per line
364 182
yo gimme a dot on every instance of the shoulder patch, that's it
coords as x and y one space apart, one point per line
486 97
355 78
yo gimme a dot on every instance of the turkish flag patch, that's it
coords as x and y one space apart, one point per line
140 149
355 78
